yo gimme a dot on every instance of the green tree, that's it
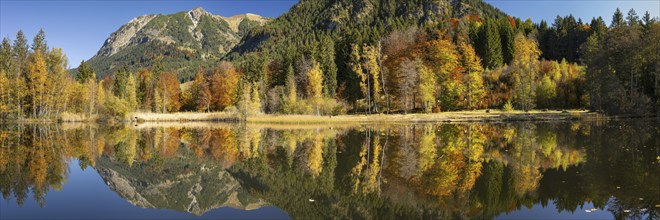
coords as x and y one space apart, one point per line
546 92
39 42
506 35
121 80
490 45
85 72
617 19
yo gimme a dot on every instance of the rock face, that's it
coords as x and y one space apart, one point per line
194 191
122 37
195 35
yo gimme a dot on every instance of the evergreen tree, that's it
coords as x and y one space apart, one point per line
632 19
490 46
121 80
507 35
85 72
39 42
617 19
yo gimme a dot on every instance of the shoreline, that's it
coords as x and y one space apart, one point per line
442 117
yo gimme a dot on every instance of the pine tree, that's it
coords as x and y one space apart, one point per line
632 18
85 72
39 42
121 80
507 35
327 59
617 19
490 46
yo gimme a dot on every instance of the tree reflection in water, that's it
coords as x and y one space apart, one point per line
379 171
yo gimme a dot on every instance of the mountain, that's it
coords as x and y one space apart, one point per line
311 18
325 30
182 41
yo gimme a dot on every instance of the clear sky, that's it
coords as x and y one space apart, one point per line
80 27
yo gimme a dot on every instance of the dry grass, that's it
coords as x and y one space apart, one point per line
461 116
182 116
75 117
223 125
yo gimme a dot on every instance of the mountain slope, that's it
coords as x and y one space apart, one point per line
182 41
311 18
326 30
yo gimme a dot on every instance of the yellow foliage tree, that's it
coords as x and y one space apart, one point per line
472 77
315 86
36 74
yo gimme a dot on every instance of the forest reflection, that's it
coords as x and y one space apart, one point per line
379 171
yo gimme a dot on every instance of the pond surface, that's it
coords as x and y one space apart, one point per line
585 170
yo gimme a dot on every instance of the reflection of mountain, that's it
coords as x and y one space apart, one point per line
187 187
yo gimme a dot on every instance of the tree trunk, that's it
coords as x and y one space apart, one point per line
382 75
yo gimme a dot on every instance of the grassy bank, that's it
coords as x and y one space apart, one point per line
445 117
462 116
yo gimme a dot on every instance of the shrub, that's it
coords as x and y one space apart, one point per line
508 107
116 107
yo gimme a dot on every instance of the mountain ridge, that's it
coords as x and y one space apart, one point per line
195 35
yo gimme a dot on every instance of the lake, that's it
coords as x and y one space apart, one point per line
523 170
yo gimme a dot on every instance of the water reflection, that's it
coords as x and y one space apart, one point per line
380 171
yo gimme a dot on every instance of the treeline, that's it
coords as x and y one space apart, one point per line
467 63
623 73
34 81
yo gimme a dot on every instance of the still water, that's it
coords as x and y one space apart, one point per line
585 170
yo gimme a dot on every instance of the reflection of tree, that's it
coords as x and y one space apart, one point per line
402 171
34 159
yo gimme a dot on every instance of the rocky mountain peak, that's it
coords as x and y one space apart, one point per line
196 15
194 35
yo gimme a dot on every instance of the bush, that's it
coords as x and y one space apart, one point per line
116 107
508 107
330 106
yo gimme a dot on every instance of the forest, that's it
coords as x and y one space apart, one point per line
466 62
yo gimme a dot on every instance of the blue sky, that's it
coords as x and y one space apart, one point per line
80 27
